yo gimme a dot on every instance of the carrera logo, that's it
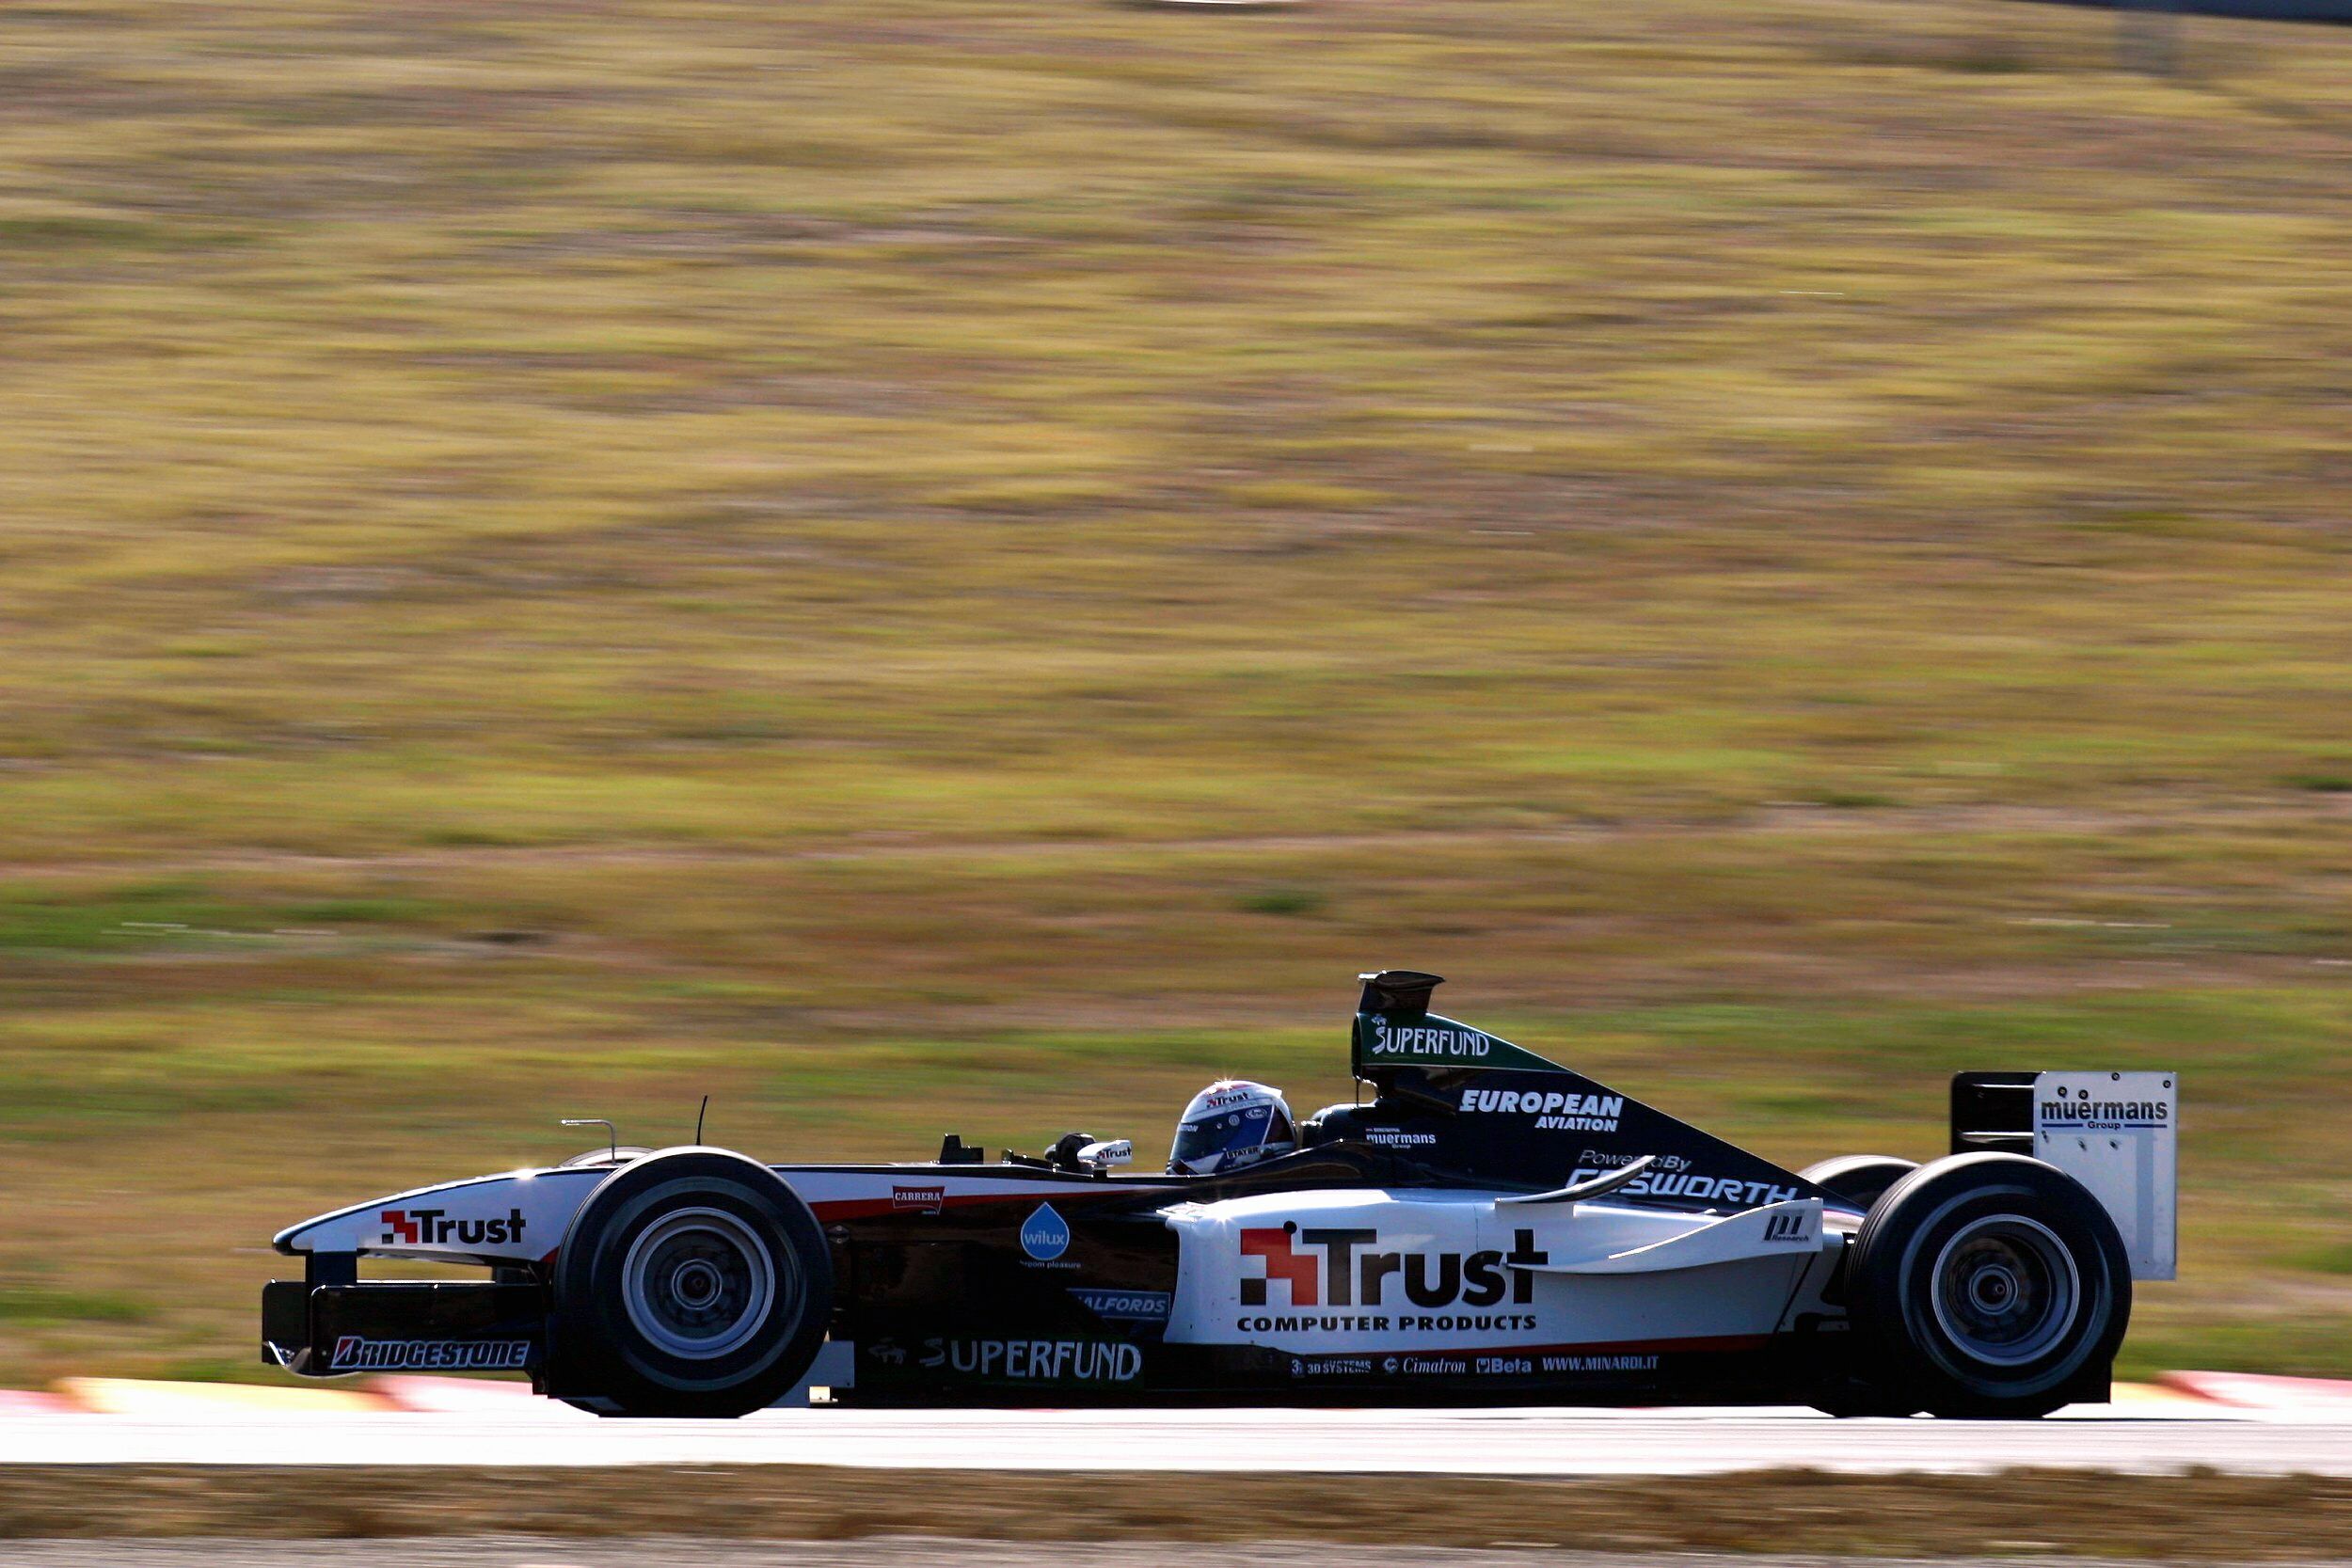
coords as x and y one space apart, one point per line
1553 1111
1342 1268
357 1354
918 1201
438 1228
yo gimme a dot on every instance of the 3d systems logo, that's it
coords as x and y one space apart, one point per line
1045 1235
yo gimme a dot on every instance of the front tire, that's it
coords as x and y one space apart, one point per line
1988 1285
693 1282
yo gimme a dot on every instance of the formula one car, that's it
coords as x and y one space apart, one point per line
1490 1229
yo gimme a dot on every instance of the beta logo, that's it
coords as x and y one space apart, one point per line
1044 1235
439 1227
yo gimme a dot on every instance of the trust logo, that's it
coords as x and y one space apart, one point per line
1295 1269
1345 1267
440 1227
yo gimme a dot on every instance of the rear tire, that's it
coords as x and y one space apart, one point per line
1988 1285
1861 1179
693 1282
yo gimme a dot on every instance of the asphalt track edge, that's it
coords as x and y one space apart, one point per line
2199 1515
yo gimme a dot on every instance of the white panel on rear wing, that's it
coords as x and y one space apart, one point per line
2114 1132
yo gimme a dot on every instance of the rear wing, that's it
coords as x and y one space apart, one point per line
2112 1131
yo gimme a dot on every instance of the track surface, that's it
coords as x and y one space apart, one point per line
1484 1442
885 1552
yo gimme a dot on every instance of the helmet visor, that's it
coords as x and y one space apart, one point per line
1204 1144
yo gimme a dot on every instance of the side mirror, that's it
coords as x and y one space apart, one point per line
1103 1156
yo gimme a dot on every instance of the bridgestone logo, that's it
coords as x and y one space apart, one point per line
354 1353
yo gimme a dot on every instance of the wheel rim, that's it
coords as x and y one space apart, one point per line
2006 1291
699 1283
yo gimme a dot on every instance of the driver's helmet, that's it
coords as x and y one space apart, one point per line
1231 1124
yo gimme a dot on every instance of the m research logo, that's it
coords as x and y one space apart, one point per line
1789 1228
1552 1110
439 1227
1044 1235
1339 1268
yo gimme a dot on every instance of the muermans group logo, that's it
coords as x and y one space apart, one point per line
2083 1114
1552 1110
439 1227
357 1354
1339 1271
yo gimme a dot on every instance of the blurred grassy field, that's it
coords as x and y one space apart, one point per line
950 564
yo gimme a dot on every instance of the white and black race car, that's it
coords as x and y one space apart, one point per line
1492 1227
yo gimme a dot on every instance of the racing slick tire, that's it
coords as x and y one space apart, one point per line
1860 1178
1987 1285
692 1282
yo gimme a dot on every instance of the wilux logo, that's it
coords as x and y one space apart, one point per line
1337 1267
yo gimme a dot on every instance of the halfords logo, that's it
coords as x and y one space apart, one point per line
438 1228
918 1201
1142 1307
1342 1267
2086 1115
1553 1111
1690 1185
1037 1360
354 1353
1428 1040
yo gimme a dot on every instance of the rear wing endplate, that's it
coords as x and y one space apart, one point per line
2114 1132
